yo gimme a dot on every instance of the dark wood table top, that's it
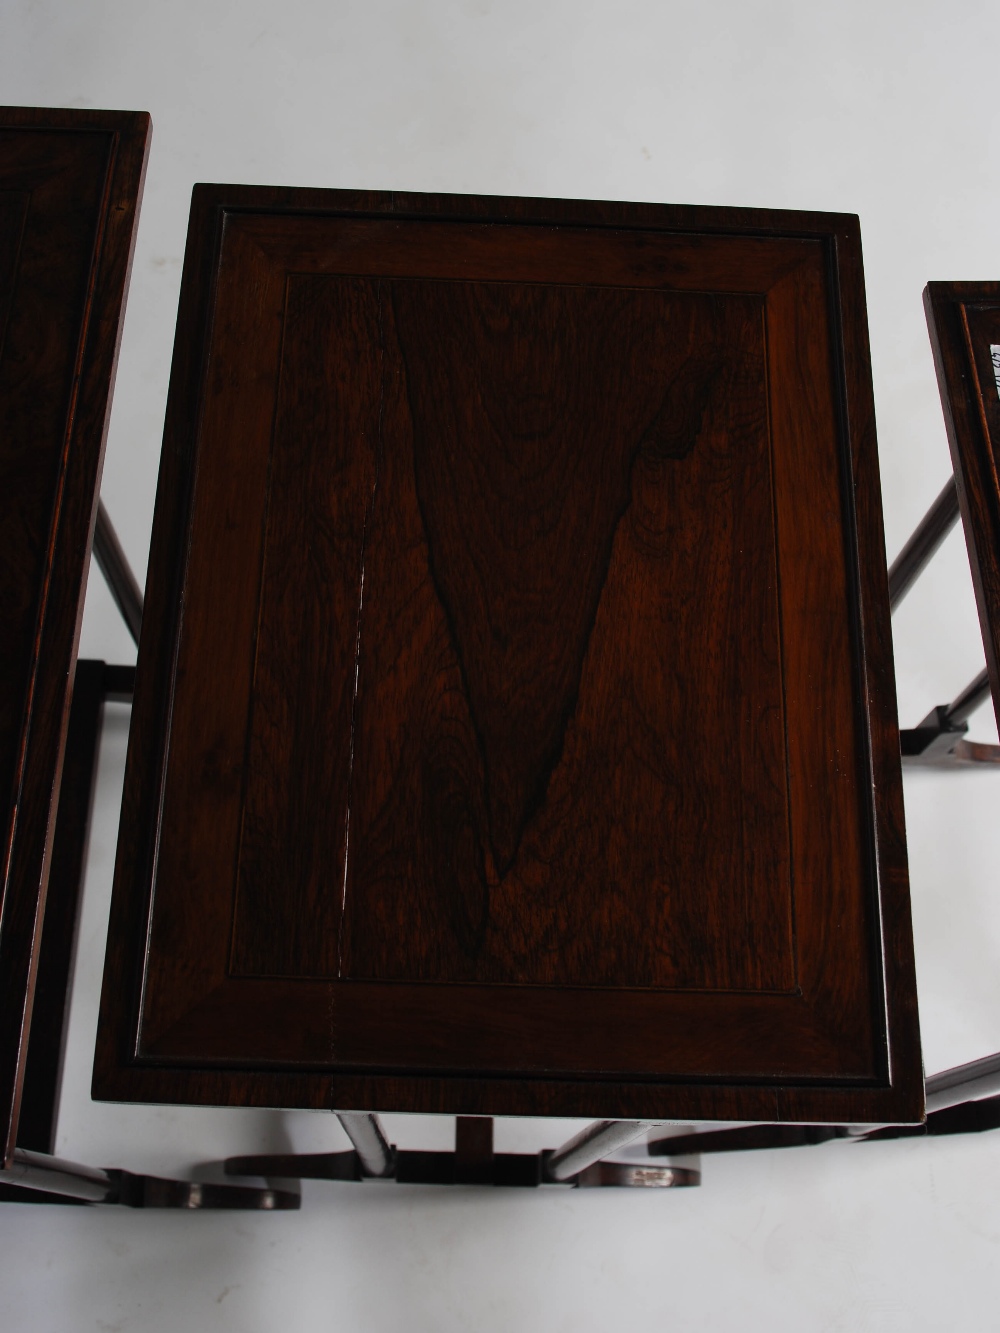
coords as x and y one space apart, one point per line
515 726
70 183
964 323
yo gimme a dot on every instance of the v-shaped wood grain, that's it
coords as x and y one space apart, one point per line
523 460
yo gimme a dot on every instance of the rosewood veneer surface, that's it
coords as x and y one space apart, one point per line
515 728
70 183
964 323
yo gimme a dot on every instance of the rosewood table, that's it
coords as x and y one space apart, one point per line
70 184
964 323
515 728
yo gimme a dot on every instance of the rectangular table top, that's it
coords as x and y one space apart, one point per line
70 184
515 729
964 323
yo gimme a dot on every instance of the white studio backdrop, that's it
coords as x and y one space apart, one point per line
881 109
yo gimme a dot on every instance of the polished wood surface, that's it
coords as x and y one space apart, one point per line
503 740
36 1126
964 323
70 183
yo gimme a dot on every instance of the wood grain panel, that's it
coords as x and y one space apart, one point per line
322 473
506 728
553 460
70 183
65 181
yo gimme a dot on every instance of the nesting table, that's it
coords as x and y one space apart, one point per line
514 728
70 183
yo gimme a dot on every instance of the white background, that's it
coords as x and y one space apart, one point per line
888 110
